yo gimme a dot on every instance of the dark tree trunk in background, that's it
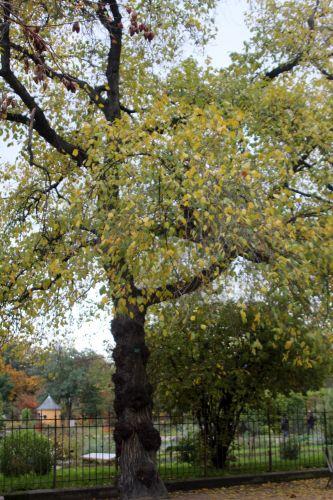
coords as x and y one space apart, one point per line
218 423
220 448
137 441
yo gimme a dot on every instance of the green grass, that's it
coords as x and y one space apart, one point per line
170 464
76 476
104 475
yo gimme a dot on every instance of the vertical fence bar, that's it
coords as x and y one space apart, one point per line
62 449
325 432
270 461
54 480
69 451
76 452
205 450
96 449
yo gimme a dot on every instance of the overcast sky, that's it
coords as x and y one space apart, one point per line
232 32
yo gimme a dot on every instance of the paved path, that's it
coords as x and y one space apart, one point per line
312 489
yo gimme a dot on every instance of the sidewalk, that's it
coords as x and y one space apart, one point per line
311 489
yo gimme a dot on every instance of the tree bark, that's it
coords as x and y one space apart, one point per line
220 451
219 426
137 441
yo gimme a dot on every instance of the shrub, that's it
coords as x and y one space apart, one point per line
190 448
25 451
26 414
290 449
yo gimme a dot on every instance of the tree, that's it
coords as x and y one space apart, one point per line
149 178
26 402
6 386
2 415
220 359
26 414
17 385
91 400
77 380
99 376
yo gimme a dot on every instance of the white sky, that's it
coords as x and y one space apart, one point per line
232 32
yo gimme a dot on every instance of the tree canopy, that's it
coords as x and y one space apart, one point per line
251 351
216 360
149 176
79 381
191 175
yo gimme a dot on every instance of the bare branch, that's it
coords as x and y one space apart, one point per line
208 275
41 124
284 67
93 93
306 195
181 288
324 72
114 28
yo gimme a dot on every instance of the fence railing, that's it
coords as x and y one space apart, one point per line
55 453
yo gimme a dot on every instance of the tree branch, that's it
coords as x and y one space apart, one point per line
41 124
306 195
284 67
324 72
93 93
17 118
305 215
114 28
181 288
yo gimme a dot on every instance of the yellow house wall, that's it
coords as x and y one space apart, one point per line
46 415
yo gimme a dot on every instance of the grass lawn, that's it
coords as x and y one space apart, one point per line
104 475
75 442
78 476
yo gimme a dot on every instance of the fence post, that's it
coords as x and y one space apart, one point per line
54 482
270 464
205 450
116 462
325 431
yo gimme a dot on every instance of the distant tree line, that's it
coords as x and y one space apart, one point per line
79 381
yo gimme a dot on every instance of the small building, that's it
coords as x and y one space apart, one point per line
49 410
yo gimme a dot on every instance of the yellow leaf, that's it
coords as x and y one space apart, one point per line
288 345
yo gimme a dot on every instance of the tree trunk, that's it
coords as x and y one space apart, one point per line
220 452
218 423
137 440
223 436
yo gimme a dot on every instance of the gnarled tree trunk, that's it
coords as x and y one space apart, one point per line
137 440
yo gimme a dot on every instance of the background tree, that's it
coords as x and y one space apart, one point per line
6 386
150 180
218 359
91 400
2 414
77 380
17 387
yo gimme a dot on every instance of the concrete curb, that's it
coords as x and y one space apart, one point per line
106 492
224 482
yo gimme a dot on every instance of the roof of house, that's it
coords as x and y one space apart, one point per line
49 404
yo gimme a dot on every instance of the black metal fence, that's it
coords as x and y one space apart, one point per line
55 453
